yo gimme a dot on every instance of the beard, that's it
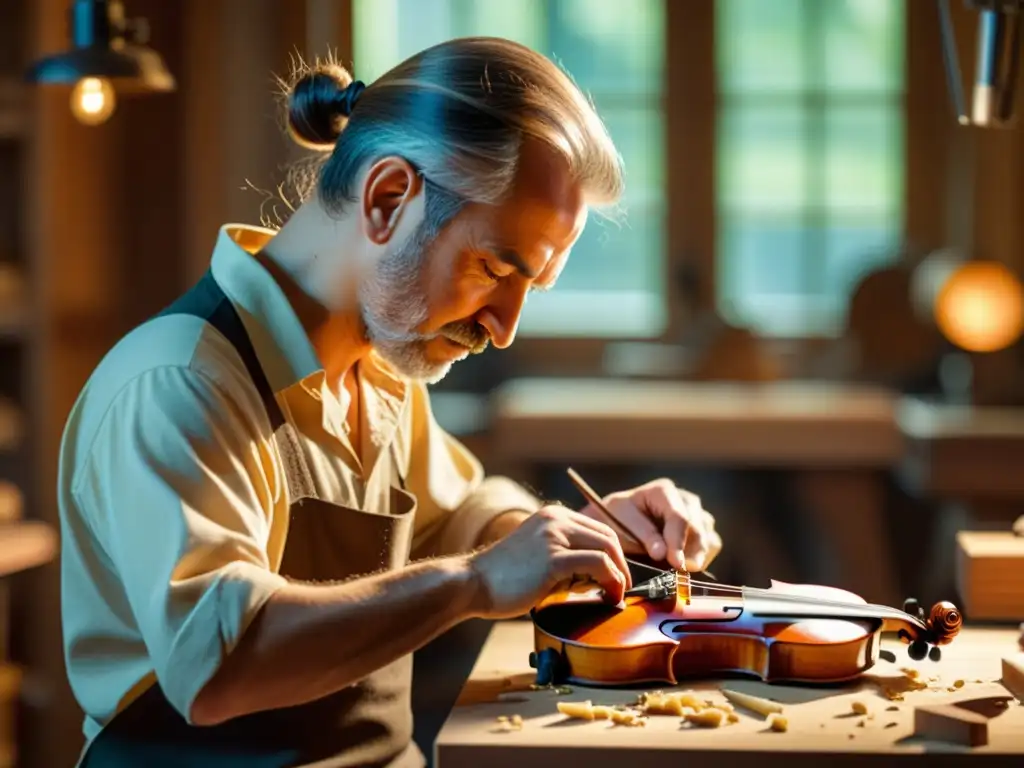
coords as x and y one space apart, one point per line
393 305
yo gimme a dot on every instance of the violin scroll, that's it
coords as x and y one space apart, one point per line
944 623
940 627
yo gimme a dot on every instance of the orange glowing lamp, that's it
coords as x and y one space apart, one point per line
979 307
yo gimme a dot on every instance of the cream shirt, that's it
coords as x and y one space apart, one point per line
173 502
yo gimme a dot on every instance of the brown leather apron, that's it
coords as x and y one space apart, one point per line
366 724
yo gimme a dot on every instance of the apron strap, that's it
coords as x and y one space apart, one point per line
208 302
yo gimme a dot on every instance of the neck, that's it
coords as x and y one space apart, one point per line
302 266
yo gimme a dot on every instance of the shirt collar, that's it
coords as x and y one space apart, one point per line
281 344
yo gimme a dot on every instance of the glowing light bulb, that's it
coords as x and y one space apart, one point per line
93 100
981 307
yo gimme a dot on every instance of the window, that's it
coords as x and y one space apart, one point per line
810 156
612 284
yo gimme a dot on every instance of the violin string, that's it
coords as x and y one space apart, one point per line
768 593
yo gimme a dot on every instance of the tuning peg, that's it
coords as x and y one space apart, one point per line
918 650
887 656
913 607
935 654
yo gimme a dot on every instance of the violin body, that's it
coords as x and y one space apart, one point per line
788 633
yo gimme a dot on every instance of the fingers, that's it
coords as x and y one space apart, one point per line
639 524
598 566
581 532
687 530
584 533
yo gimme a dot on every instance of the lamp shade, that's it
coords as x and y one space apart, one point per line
105 46
130 69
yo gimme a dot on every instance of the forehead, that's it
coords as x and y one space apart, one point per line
544 213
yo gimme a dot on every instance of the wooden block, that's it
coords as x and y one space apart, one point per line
1013 676
990 575
949 723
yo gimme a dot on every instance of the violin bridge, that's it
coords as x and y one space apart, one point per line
682 580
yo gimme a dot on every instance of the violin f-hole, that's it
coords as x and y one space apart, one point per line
728 613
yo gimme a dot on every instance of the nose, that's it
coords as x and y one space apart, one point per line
501 317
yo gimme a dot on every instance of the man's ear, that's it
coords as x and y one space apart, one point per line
390 188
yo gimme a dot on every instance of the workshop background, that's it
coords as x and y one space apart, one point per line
811 316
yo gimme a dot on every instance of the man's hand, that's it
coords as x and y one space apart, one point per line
552 545
668 522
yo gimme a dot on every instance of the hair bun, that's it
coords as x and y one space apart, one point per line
319 104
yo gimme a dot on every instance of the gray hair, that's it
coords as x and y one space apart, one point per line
458 112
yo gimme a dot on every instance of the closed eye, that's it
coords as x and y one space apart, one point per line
488 271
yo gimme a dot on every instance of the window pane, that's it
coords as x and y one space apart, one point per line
765 254
610 286
610 46
522 21
762 158
862 45
639 134
810 126
387 31
854 246
613 254
864 157
763 269
760 45
615 52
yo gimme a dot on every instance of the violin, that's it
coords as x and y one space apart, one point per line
674 626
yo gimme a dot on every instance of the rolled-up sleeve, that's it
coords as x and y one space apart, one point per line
456 499
180 490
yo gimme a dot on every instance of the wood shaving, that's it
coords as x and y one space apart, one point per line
778 723
513 723
893 708
958 684
616 715
586 710
559 690
763 707
707 718
689 706
860 707
578 710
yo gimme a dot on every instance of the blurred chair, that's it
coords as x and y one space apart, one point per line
884 341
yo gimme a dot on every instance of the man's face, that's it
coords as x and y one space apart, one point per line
428 303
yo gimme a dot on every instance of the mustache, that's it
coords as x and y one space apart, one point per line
469 334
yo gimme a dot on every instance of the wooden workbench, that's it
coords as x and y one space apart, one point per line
779 424
820 719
